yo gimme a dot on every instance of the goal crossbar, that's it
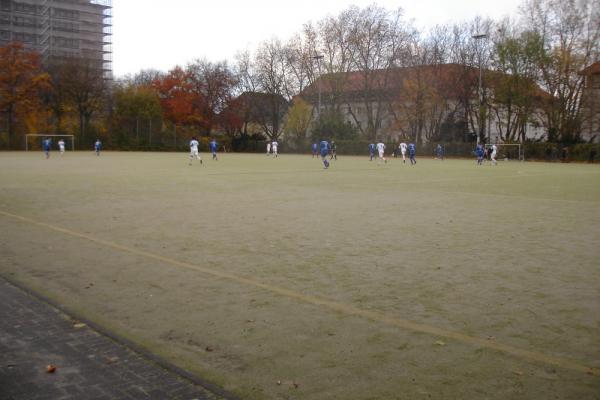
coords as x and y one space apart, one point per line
34 135
521 153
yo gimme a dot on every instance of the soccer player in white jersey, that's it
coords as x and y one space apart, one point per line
268 148
194 150
381 151
61 147
494 153
403 146
274 147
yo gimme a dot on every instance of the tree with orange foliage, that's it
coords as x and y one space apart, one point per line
21 79
231 119
212 85
176 98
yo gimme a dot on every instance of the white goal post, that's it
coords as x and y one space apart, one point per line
34 135
505 149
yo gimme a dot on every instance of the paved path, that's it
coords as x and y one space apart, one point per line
88 364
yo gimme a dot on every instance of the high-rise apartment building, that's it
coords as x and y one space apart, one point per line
60 29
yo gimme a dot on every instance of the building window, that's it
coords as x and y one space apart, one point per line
65 26
66 43
65 14
24 21
24 37
4 19
5 5
25 8
4 35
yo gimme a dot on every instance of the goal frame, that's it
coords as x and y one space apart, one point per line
27 136
519 148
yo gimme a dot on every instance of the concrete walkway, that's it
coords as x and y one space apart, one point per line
89 364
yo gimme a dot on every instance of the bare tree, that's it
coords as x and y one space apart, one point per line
144 77
274 79
570 35
472 55
515 96
213 84
299 52
377 43
245 71
334 44
87 89
419 105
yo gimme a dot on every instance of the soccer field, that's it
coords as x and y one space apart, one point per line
277 279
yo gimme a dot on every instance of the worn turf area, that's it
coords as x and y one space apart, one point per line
277 279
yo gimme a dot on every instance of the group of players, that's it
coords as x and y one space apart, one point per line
324 149
47 147
194 154
329 150
481 152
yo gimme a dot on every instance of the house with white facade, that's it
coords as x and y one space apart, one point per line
431 102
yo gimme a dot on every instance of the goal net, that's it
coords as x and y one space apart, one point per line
507 152
34 141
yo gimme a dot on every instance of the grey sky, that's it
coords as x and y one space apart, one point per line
149 36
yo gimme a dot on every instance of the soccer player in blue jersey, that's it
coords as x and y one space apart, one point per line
314 151
97 147
46 144
411 153
371 151
325 153
439 152
213 149
479 152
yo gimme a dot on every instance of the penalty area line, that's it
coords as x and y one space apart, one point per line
375 316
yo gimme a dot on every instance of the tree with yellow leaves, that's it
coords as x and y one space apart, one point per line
21 79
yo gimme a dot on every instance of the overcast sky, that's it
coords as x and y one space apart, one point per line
147 36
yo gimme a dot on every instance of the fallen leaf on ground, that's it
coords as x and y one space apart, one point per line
79 325
291 384
520 373
209 349
440 343
50 368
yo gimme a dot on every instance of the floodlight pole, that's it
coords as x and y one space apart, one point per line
319 57
479 91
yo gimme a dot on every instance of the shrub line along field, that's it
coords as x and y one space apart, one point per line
445 279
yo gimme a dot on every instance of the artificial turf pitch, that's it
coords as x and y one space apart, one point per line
277 279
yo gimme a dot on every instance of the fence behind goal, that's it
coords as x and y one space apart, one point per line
513 151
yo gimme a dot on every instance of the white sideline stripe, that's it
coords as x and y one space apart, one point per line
333 305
